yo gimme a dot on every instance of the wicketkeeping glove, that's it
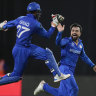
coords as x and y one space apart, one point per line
57 18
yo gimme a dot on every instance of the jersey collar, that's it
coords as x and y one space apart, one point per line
72 40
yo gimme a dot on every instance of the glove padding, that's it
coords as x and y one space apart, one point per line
57 18
2 24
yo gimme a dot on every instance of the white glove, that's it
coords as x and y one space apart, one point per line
2 24
57 19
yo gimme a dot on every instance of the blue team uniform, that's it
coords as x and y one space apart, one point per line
23 49
70 52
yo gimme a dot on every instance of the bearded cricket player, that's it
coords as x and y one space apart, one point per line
71 49
23 49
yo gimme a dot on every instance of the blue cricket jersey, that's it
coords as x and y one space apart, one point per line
26 27
70 52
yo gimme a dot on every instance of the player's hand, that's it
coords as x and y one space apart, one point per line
94 68
57 18
60 27
5 30
2 24
53 24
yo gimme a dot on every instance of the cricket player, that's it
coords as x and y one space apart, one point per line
23 49
71 49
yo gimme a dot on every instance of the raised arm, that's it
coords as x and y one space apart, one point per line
59 35
59 41
56 19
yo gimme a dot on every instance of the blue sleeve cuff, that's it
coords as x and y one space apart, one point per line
4 27
92 65
60 33
53 28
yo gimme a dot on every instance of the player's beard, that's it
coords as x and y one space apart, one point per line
74 38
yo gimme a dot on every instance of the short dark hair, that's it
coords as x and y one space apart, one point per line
76 25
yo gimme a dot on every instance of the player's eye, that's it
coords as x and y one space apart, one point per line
72 30
76 31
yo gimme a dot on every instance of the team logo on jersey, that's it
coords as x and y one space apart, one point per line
75 51
80 46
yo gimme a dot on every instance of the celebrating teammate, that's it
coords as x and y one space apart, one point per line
23 49
71 49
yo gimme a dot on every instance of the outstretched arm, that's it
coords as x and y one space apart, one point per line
42 31
5 25
56 19
10 24
87 60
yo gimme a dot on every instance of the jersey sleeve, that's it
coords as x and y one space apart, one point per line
42 31
12 23
86 59
61 42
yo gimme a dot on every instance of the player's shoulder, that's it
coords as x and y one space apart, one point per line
38 24
21 17
65 39
81 43
68 38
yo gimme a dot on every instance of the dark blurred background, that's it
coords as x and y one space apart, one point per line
80 11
